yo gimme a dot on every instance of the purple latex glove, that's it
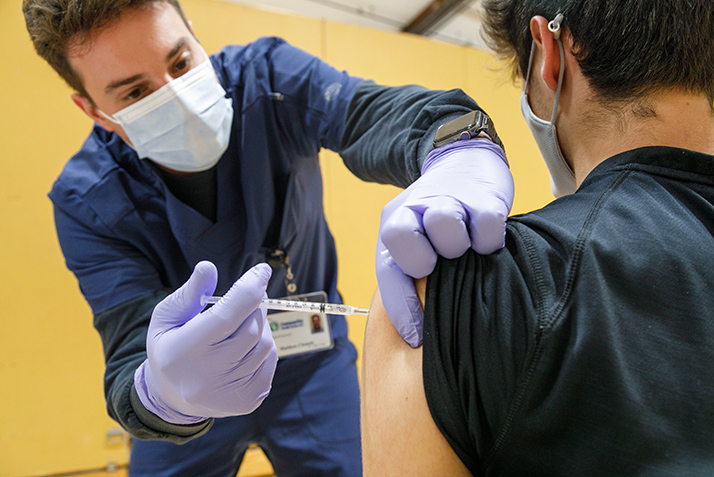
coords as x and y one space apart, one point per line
215 363
461 200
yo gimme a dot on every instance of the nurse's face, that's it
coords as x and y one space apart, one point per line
132 57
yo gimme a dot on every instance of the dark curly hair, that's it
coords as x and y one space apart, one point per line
57 25
628 49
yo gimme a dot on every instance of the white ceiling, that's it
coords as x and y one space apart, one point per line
392 15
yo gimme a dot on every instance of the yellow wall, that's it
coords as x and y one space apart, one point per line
52 416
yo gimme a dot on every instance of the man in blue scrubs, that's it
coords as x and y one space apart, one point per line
200 170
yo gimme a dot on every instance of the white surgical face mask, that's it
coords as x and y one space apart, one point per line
562 179
185 125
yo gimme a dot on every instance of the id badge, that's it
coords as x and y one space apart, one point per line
299 332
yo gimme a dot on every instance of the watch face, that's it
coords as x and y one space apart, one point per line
467 126
464 123
453 129
457 126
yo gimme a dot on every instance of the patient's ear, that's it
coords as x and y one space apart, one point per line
420 285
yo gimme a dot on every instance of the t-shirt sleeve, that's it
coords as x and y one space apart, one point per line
477 323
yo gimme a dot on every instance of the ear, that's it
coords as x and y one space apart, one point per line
548 45
90 110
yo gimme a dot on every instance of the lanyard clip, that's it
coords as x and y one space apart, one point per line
280 258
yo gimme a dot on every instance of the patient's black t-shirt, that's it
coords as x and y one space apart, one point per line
586 345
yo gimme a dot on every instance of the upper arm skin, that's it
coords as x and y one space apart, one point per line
399 436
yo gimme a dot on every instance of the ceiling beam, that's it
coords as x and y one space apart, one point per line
435 13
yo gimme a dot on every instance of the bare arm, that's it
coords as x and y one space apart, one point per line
399 436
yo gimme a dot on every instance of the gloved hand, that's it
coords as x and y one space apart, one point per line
461 200
215 363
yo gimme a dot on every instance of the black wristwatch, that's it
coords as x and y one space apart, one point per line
473 124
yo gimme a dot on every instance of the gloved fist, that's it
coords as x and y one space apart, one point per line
215 363
461 200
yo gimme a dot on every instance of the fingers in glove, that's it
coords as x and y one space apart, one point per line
183 304
488 226
253 388
445 223
248 357
403 235
225 317
399 298
252 338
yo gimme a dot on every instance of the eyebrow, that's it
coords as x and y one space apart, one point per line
123 82
180 44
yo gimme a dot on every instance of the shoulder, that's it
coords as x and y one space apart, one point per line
552 233
232 54
230 62
394 408
515 285
97 181
94 161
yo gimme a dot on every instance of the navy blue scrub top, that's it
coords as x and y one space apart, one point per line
130 241
124 234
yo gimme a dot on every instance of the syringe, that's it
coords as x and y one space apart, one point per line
289 305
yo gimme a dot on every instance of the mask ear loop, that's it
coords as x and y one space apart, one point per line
107 117
530 65
554 27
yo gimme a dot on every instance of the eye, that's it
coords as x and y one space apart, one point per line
134 94
182 66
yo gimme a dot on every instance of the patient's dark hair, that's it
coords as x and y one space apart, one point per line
57 25
627 49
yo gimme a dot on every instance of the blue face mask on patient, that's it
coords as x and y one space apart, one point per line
185 125
562 179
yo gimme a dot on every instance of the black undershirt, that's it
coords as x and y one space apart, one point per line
197 190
